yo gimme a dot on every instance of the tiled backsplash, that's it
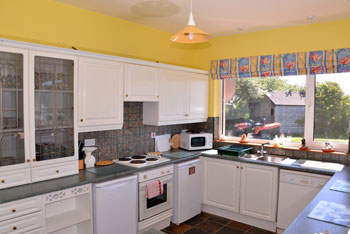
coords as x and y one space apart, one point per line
343 159
135 138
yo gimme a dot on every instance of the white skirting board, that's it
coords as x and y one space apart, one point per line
271 226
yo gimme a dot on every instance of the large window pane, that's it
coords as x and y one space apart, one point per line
332 105
263 108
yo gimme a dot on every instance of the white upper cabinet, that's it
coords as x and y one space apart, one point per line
141 83
52 98
183 98
259 186
198 96
100 94
221 179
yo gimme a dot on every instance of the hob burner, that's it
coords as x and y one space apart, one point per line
138 157
138 161
152 159
124 159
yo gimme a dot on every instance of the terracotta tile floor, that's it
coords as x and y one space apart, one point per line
205 223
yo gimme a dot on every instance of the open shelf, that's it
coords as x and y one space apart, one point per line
65 220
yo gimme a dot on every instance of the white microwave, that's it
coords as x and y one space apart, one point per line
196 141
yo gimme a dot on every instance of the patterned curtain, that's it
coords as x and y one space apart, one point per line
302 63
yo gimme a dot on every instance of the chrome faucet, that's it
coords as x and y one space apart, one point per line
261 151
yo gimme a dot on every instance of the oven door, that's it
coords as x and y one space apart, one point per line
156 205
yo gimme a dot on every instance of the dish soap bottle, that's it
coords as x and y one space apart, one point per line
281 140
275 142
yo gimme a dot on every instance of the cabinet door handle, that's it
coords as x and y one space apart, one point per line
126 95
187 115
81 120
158 96
13 210
57 171
237 167
241 167
34 159
14 228
2 181
28 160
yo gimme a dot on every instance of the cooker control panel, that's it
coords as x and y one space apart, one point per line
155 173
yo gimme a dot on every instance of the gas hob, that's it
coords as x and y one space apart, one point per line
140 160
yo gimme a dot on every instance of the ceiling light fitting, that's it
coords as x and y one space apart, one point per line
190 33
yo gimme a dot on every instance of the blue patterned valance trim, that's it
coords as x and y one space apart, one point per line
301 63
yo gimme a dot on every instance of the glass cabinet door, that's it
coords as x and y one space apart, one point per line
54 102
12 149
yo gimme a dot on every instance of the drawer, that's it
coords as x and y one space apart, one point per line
54 171
37 231
21 207
14 178
23 224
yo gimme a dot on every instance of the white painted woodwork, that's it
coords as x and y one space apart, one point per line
23 224
37 231
259 187
27 153
141 83
55 170
183 99
69 211
221 180
22 207
14 177
44 163
198 96
100 94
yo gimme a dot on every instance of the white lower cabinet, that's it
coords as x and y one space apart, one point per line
245 188
22 216
221 183
259 186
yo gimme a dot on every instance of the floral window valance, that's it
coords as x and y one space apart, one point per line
301 63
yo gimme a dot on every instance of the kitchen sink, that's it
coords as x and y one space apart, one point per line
265 158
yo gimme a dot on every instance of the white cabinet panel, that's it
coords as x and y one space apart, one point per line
259 191
23 224
54 171
221 183
22 207
198 97
100 94
14 177
140 83
173 96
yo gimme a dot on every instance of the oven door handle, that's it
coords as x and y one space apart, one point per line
164 180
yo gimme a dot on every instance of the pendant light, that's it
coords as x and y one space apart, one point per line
190 33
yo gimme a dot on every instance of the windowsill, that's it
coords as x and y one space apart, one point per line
231 141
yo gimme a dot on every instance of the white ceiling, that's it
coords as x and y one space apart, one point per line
220 17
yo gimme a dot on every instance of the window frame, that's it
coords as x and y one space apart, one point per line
308 125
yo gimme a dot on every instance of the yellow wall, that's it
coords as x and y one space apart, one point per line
53 23
329 35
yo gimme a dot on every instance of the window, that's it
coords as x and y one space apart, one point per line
316 107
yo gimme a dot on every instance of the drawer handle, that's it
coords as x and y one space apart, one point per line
13 210
158 96
81 120
14 228
34 159
241 167
126 95
57 171
237 167
2 181
28 160
187 115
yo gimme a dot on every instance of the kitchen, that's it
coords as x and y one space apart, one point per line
150 87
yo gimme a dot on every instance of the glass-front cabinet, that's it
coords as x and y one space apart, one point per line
12 92
38 137
52 88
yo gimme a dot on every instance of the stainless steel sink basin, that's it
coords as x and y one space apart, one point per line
265 158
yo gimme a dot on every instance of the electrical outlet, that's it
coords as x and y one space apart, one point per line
89 142
153 134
